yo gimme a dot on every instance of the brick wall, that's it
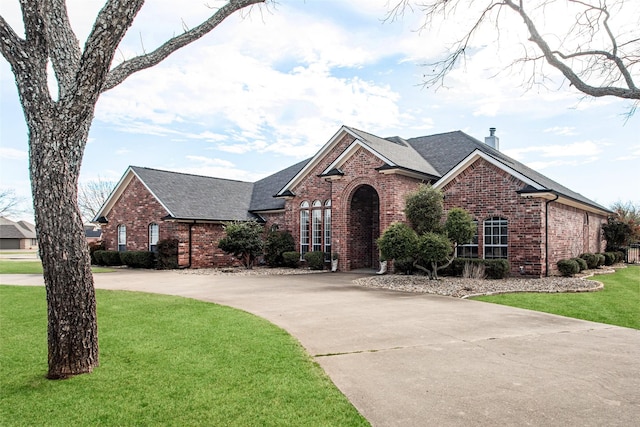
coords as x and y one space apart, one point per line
350 221
487 191
573 231
137 208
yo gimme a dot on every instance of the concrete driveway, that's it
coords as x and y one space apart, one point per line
423 360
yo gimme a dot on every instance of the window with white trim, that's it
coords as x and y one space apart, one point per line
316 226
122 238
495 238
154 233
304 228
469 249
327 230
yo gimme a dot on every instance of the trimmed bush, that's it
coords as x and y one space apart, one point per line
592 260
167 254
277 243
609 258
138 259
568 267
291 259
315 260
581 263
601 259
497 268
494 268
403 265
620 256
93 247
108 258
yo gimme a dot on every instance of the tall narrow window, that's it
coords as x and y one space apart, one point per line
327 230
495 238
153 236
122 238
469 249
316 226
304 228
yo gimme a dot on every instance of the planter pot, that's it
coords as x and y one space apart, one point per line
334 265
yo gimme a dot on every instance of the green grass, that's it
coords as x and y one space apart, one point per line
35 267
617 304
164 361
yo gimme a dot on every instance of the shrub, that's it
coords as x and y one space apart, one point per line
138 259
403 265
601 259
108 258
592 259
315 260
167 255
581 263
609 258
494 268
93 247
277 243
243 240
473 270
291 259
568 267
620 256
497 268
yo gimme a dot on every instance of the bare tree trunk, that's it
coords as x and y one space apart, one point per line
57 143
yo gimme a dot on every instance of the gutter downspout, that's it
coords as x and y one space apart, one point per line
546 233
190 245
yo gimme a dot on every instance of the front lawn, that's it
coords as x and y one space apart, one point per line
35 267
164 361
617 304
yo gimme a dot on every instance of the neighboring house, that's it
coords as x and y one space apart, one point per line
92 233
345 196
17 235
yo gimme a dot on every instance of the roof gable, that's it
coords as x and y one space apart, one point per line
189 197
16 230
394 152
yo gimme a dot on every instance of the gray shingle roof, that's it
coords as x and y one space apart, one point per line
16 230
266 188
398 151
446 150
198 197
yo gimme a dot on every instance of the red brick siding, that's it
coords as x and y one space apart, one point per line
486 191
137 208
359 170
573 231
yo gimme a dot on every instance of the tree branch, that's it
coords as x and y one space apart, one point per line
631 92
125 69
64 48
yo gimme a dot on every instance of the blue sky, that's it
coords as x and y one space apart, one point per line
268 89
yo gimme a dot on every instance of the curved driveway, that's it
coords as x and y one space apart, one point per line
423 360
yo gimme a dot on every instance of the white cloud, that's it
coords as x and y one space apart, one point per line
561 130
577 149
13 154
540 165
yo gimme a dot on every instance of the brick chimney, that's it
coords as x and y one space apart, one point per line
492 140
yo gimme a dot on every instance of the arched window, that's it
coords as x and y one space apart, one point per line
304 228
316 226
327 230
469 249
122 238
495 238
154 234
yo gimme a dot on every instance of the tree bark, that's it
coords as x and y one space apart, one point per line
56 146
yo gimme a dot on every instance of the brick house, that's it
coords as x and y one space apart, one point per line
350 191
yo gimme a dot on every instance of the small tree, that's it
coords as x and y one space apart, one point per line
430 244
243 240
424 209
